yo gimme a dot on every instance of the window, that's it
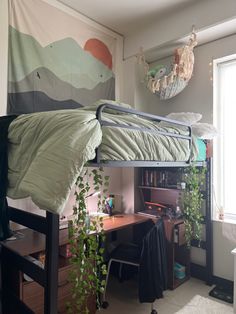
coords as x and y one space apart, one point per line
224 115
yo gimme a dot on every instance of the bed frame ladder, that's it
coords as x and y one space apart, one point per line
13 261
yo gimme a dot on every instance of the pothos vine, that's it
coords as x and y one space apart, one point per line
192 202
86 243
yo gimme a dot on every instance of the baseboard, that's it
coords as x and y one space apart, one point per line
198 271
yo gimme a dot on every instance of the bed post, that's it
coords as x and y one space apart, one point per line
209 233
51 265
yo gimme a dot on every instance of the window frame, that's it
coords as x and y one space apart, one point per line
218 143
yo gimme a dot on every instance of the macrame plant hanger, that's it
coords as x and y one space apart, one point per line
173 82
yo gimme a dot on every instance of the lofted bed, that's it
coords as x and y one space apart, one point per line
155 158
120 137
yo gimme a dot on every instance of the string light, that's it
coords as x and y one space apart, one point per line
211 71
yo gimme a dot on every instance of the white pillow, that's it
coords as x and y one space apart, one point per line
187 117
204 131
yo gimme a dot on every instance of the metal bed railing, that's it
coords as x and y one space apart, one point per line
141 163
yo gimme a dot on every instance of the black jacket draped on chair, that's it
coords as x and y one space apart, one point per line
153 264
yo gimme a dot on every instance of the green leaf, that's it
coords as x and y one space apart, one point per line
86 253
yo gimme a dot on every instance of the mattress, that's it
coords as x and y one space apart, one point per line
124 144
48 150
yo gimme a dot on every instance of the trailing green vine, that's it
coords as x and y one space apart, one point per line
192 202
86 240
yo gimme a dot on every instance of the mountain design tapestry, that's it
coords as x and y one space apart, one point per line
56 61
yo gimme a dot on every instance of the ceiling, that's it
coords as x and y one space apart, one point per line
125 16
131 17
215 32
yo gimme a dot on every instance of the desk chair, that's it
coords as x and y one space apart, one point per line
151 261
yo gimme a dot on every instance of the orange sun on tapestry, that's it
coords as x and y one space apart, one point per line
99 50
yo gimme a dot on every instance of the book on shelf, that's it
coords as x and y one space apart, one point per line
160 178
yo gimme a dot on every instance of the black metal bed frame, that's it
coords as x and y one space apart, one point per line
49 225
47 277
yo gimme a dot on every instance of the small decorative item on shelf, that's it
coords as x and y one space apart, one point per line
109 204
221 213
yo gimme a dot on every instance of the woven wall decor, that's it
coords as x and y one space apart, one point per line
168 81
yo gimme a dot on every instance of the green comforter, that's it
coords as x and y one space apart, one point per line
48 150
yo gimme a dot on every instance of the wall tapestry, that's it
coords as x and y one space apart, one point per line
168 81
56 61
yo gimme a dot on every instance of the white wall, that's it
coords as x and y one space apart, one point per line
128 81
196 97
223 261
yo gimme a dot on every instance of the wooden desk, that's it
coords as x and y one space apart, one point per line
122 221
33 242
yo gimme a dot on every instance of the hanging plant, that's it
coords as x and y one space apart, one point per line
192 203
86 243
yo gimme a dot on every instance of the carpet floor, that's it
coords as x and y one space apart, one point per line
189 298
204 305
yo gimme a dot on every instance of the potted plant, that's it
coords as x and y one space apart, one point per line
86 238
192 202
